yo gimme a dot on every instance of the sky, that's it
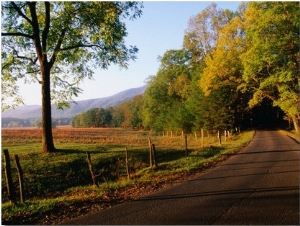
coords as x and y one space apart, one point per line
160 28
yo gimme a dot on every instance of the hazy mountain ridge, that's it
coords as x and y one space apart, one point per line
34 111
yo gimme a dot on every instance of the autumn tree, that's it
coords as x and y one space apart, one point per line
211 42
221 77
58 44
203 31
271 62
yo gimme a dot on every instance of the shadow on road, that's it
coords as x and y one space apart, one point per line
215 193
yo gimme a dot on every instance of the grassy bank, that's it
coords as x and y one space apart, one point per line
292 134
59 185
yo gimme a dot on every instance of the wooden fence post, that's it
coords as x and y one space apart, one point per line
202 138
219 137
154 155
150 152
10 190
126 162
91 168
185 144
20 176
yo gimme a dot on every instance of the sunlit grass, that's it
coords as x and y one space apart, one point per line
63 177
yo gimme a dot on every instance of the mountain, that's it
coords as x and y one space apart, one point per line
34 111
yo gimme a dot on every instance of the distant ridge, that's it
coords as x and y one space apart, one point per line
34 111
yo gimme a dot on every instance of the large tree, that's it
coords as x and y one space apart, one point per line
221 78
211 37
271 62
58 44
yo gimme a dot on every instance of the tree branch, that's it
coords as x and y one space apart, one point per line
47 27
80 45
33 61
17 34
36 31
20 12
57 47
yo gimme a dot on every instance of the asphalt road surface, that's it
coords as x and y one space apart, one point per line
260 185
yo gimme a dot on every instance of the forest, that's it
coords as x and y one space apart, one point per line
235 69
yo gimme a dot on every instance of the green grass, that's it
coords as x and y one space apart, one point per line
63 177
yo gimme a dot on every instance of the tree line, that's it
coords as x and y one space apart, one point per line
230 62
126 114
233 67
32 122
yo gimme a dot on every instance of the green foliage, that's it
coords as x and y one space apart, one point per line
67 38
271 62
127 114
135 106
196 87
166 95
96 117
254 55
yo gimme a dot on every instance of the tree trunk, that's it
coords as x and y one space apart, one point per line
295 122
150 152
47 138
186 144
40 43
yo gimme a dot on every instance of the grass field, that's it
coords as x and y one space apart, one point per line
62 179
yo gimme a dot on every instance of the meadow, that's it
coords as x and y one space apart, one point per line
59 185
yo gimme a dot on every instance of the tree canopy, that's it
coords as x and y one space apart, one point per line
271 61
71 38
237 61
164 101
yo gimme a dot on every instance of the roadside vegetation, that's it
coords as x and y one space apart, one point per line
59 185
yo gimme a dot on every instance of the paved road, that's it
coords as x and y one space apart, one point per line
260 185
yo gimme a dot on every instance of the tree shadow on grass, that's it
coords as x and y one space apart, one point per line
210 151
79 151
56 175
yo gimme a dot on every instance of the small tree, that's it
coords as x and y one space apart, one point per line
57 44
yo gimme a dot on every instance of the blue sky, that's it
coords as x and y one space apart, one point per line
160 28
